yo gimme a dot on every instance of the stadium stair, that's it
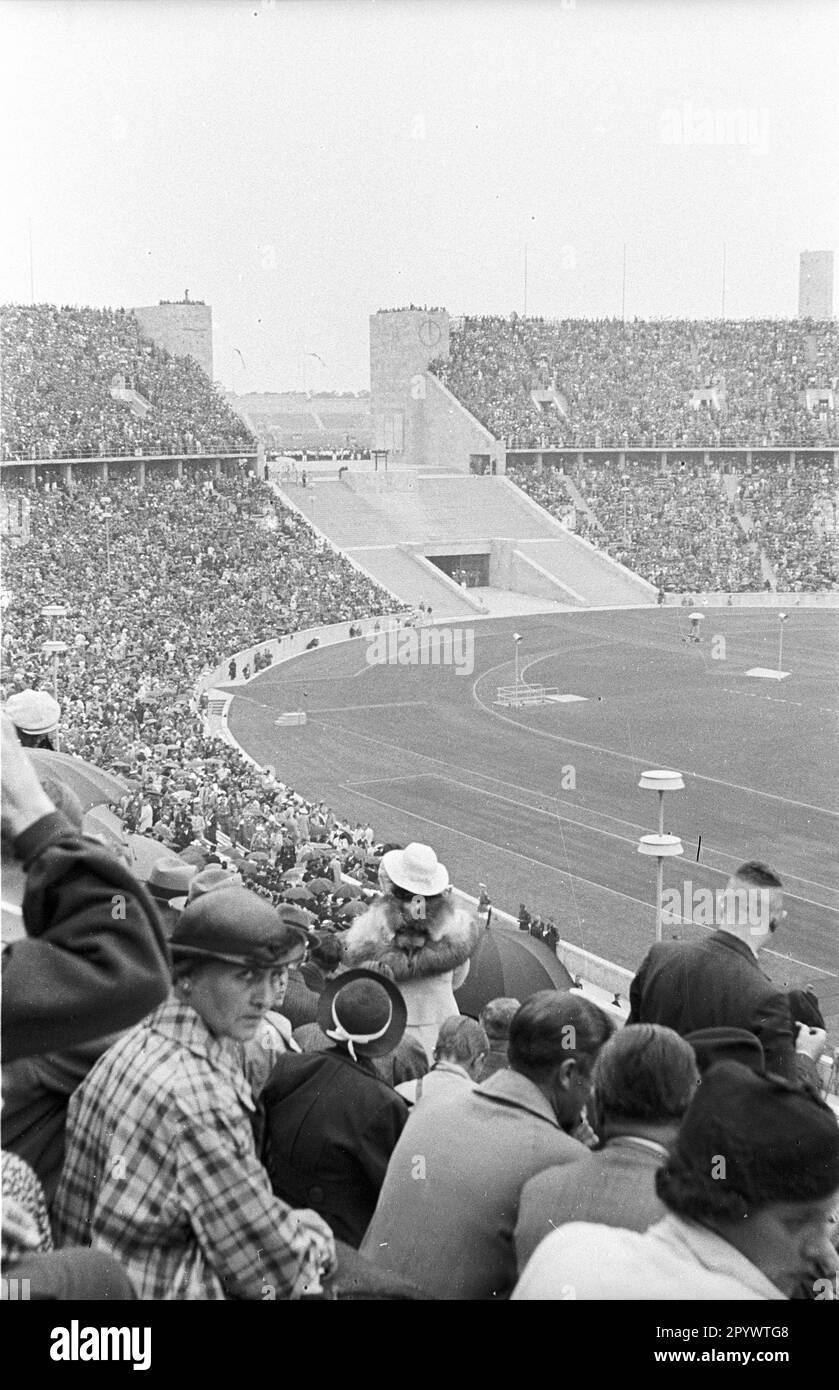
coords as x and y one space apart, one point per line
580 502
384 522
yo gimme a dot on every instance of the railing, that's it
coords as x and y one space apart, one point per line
133 456
736 452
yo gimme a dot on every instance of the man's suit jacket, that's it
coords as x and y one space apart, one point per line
714 983
448 1206
614 1186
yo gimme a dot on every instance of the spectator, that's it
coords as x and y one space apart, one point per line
449 1202
496 1018
642 1083
462 1046
87 953
749 1190
167 1101
330 1123
418 931
35 715
717 982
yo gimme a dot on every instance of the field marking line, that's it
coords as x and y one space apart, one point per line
486 776
543 863
568 820
628 758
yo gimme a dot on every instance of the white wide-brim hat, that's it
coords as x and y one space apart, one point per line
417 869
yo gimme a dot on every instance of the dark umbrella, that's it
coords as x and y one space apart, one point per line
297 895
320 885
348 890
353 909
92 785
511 965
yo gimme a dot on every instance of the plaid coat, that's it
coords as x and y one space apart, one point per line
161 1171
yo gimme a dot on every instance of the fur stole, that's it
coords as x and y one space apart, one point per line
412 949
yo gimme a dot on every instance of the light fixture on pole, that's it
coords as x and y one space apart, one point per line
782 618
55 650
516 641
53 612
660 846
107 516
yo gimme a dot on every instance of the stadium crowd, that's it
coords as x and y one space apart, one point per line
148 618
142 1159
241 1073
679 529
198 1147
619 385
793 515
59 367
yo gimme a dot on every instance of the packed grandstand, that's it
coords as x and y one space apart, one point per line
149 617
164 576
634 384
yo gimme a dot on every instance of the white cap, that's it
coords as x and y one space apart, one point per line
33 712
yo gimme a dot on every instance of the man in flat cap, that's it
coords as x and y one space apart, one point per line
35 715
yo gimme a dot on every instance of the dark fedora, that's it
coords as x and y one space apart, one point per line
236 926
365 1011
713 1045
169 879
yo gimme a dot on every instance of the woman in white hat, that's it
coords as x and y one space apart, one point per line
421 933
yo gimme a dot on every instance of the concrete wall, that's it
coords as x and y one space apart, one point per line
447 433
815 285
510 569
185 330
402 343
414 416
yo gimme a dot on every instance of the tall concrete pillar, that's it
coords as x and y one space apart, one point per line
141 474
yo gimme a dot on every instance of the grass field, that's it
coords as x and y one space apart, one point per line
542 803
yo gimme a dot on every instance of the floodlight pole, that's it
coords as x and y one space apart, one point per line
53 649
659 898
661 845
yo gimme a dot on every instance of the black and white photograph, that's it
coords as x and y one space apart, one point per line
419 676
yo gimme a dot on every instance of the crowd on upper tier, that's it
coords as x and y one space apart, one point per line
611 384
60 368
219 1094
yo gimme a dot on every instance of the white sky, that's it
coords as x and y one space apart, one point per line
300 165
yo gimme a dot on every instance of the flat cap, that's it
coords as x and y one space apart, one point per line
33 712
